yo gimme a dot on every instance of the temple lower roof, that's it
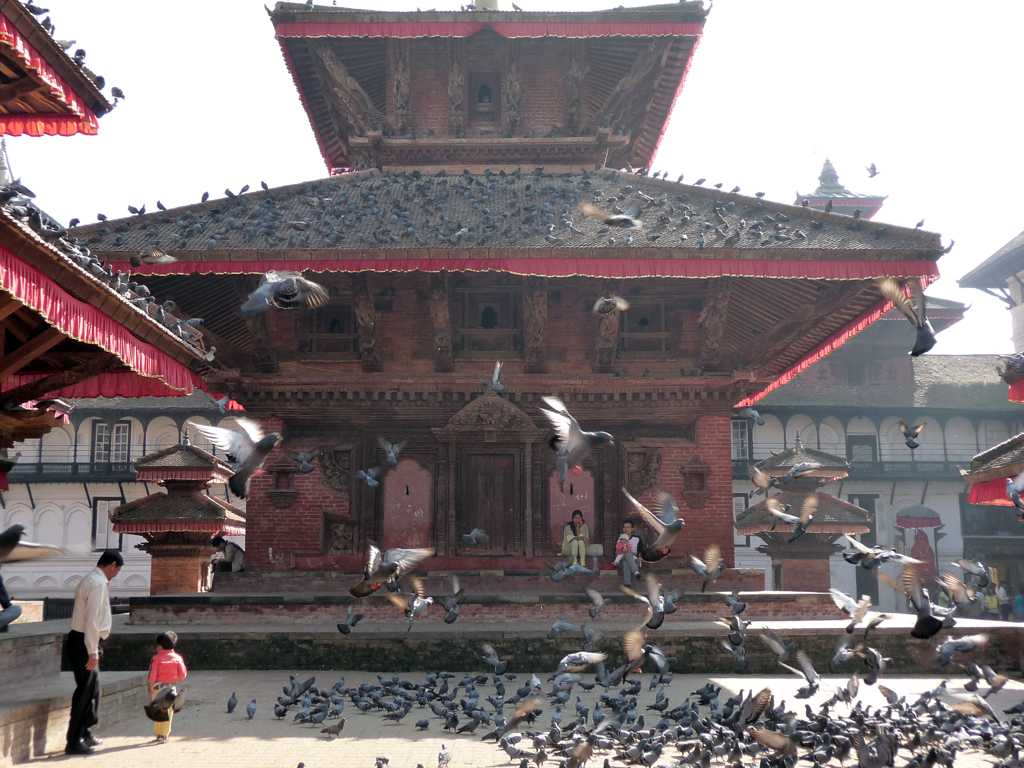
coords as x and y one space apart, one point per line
833 515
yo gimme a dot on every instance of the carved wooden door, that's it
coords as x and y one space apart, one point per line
489 499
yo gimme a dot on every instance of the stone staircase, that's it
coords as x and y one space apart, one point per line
35 696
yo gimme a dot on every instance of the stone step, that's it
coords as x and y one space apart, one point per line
478 581
695 647
499 608
29 652
34 717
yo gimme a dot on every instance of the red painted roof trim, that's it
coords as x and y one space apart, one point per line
511 29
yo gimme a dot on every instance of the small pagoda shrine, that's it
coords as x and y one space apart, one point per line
179 524
833 196
803 565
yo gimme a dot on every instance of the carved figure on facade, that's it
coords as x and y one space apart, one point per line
456 89
643 468
621 105
511 94
490 413
336 468
401 85
712 324
607 340
341 540
366 319
441 320
535 319
574 83
356 113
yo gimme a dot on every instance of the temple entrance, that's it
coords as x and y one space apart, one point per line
579 494
489 499
407 506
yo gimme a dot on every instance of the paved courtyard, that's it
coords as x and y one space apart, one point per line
205 735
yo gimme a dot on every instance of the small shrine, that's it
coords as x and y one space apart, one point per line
803 565
179 524
834 197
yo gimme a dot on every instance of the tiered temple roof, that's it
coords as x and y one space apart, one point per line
833 516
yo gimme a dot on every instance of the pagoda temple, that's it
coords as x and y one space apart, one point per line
833 196
459 147
69 325
803 564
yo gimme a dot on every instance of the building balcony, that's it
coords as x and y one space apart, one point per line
895 463
56 465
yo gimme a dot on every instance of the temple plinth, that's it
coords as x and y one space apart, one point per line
179 524
803 565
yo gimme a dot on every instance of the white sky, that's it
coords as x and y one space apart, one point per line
922 88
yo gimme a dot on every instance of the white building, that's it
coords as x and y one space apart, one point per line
851 404
64 486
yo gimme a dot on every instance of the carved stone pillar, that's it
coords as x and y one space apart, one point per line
366 318
535 320
511 92
442 322
607 346
400 84
457 88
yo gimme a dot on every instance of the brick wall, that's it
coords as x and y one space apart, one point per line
171 575
805 574
428 69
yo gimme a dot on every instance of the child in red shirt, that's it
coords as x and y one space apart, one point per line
166 668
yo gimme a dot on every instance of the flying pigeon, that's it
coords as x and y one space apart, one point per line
915 311
351 619
910 433
369 476
869 558
495 384
571 444
855 609
605 305
807 672
780 513
709 569
14 550
305 461
152 256
752 414
626 220
391 450
664 518
284 290
475 538
248 446
387 566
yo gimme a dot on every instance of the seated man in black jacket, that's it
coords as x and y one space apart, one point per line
9 612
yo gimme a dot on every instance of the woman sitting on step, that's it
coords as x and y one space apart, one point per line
575 538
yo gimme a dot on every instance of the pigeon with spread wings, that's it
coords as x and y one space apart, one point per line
869 558
807 672
626 220
571 444
710 568
246 446
915 311
664 518
284 290
14 550
911 433
387 566
780 513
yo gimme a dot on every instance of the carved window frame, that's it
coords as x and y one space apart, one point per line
327 345
511 296
636 344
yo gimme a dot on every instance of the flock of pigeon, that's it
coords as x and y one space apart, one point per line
16 201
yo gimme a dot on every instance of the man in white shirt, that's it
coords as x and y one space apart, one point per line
233 555
90 623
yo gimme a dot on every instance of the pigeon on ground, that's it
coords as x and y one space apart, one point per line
915 311
663 517
284 290
232 702
571 444
710 568
14 550
250 709
247 446
911 433
391 450
333 731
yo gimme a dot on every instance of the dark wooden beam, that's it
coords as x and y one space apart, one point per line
535 320
16 89
29 351
54 381
366 317
440 317
8 306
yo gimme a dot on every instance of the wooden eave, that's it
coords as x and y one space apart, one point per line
80 284
30 29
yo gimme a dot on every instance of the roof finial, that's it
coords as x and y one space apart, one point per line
799 444
186 440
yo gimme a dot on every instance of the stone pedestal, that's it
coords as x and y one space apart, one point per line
802 566
179 566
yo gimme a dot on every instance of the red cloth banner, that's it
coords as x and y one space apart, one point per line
525 264
1017 392
991 493
80 119
392 29
155 372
